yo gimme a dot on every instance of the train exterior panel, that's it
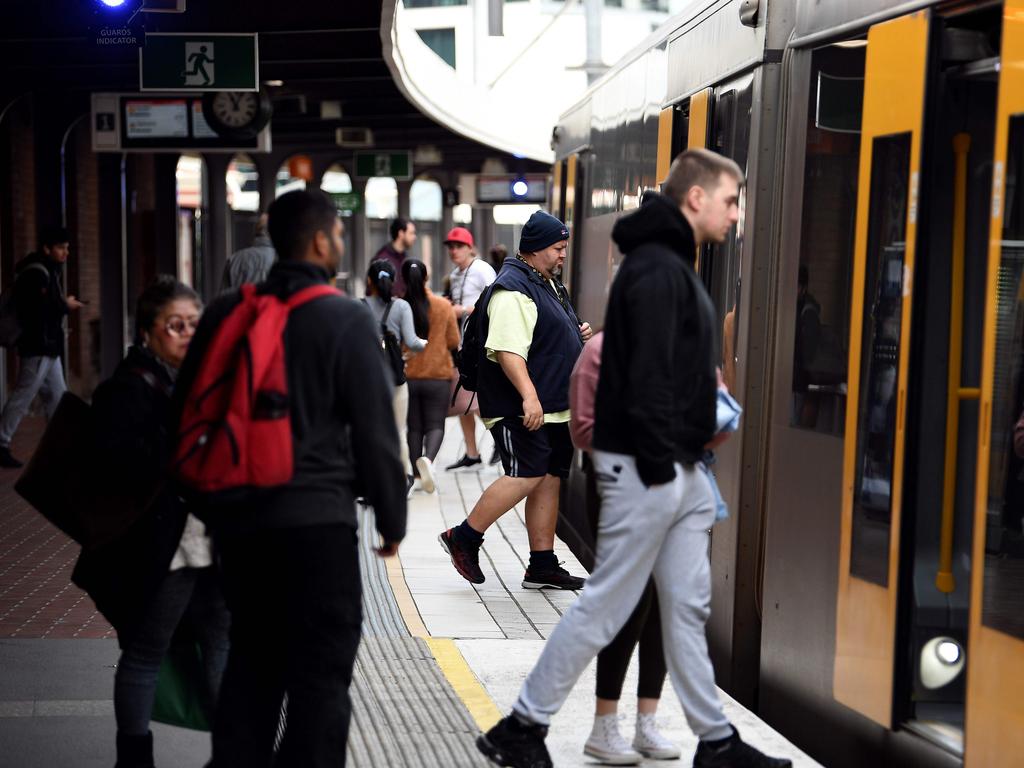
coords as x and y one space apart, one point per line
872 329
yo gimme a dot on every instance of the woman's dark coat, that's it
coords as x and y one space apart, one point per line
132 410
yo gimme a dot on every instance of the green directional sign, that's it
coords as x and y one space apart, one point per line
347 202
398 165
195 61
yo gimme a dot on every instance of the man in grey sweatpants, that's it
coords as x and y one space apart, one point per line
654 421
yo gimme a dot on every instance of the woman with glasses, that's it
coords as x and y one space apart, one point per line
160 570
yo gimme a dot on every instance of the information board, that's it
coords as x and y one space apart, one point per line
156 118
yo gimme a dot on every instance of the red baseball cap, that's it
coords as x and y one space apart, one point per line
459 235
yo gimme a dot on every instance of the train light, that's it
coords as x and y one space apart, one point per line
942 659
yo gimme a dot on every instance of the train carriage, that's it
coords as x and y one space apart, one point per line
869 585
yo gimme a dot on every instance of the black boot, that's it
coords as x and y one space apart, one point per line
134 750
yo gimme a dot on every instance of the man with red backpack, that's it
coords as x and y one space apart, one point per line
285 520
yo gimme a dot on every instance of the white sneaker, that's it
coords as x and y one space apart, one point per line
607 745
650 743
426 470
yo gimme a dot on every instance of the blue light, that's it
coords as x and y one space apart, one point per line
113 3
520 188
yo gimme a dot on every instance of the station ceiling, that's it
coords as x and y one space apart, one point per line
322 50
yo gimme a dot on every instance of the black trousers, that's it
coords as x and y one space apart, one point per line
294 596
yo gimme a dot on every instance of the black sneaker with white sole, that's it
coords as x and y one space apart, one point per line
465 463
735 753
465 557
516 744
551 578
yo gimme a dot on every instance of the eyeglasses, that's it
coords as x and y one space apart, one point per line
176 325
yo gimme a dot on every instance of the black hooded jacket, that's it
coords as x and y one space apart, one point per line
343 426
657 388
40 304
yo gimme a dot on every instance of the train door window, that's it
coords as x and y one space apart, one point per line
832 157
719 264
1003 605
880 353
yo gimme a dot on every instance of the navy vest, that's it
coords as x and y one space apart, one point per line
553 351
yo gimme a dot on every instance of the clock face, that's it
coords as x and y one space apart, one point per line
236 109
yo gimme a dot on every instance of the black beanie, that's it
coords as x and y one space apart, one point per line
540 231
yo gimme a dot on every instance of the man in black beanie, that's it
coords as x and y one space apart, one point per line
532 338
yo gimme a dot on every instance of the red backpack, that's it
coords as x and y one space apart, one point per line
235 430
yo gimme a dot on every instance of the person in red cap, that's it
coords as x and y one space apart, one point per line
468 280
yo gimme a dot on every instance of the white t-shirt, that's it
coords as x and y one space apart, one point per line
467 284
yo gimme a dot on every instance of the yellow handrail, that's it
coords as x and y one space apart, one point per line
955 392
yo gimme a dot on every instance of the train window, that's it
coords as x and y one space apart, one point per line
719 264
828 219
1003 605
880 350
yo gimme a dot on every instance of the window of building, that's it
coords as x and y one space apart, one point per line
441 42
243 184
425 200
381 198
336 180
821 342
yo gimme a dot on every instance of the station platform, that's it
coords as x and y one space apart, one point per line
440 659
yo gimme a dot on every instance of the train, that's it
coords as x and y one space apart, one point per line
868 587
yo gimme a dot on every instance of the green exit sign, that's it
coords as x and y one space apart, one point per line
347 202
398 165
195 61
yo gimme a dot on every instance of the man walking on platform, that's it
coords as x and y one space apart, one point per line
403 237
532 338
40 307
289 554
252 264
654 418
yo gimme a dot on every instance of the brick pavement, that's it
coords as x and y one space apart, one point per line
37 598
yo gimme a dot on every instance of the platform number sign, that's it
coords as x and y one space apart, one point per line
199 62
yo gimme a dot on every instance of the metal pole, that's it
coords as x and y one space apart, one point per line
496 18
593 65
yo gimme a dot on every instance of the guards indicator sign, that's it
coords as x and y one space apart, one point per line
199 62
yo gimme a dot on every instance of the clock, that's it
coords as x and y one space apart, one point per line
237 114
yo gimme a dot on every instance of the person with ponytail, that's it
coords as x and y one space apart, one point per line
429 374
394 316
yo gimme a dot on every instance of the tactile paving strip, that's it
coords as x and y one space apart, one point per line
404 712
381 615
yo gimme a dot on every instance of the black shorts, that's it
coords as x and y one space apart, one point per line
547 451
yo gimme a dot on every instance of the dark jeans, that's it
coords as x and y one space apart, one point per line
294 596
428 408
644 625
194 592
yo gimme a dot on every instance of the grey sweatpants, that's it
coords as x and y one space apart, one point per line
661 530
37 375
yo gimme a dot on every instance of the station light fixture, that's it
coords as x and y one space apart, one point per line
519 188
120 9
942 659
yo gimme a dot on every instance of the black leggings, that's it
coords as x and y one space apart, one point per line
428 407
643 626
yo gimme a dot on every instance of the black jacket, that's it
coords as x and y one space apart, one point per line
40 305
343 425
555 346
133 442
657 388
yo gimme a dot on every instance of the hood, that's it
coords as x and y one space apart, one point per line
657 220
287 277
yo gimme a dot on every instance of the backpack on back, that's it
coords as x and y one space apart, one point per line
235 431
10 328
472 349
391 347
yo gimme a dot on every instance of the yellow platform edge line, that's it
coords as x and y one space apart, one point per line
453 666
467 686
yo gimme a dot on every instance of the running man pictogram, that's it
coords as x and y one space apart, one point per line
199 64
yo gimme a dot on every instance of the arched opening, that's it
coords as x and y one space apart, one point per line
426 202
242 181
381 199
338 184
190 184
293 174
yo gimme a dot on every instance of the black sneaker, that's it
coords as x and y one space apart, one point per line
410 484
466 559
555 578
7 460
735 753
515 743
465 463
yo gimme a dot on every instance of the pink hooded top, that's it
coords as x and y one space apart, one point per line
583 392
